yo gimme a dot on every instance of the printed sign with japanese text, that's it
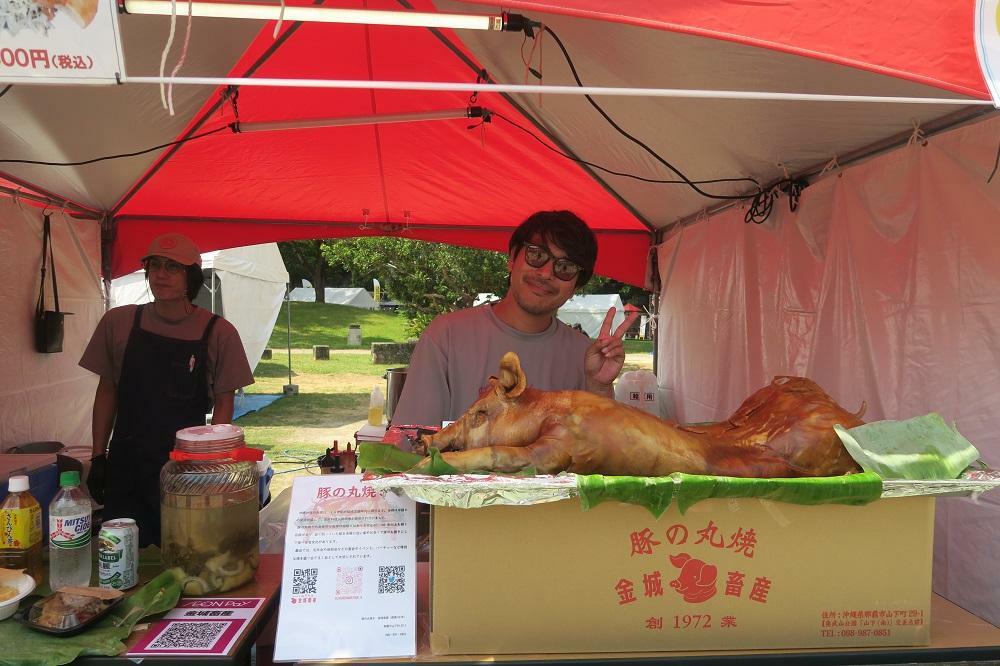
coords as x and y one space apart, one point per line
60 41
349 578
198 626
726 574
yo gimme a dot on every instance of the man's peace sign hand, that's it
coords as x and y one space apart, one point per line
606 355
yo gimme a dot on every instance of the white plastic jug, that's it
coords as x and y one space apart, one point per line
638 388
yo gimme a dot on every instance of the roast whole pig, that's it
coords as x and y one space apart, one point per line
784 429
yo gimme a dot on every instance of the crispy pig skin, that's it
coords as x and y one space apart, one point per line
785 429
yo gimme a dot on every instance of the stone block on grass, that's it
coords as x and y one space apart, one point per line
392 353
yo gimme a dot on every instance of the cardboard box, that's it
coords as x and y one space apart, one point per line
730 574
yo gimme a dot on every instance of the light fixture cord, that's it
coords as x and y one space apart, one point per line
180 61
166 51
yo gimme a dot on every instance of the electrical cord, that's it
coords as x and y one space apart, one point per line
231 126
494 114
690 183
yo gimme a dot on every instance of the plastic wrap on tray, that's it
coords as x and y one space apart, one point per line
71 609
471 491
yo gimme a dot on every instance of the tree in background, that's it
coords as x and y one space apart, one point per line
630 295
304 260
426 279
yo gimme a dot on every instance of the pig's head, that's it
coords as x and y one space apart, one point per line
501 417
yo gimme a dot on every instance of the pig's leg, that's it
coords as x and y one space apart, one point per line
546 456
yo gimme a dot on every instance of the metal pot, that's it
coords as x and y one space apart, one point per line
394 380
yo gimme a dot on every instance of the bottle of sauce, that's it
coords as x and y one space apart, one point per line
349 460
376 407
337 468
21 530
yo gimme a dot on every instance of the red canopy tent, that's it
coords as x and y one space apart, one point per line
445 181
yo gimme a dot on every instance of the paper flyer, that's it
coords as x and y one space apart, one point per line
349 579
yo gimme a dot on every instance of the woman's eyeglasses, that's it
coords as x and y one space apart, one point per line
537 256
154 264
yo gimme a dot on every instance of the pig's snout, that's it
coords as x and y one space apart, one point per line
438 441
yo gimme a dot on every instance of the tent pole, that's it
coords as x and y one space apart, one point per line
289 388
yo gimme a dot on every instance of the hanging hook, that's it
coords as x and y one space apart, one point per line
832 165
917 136
364 219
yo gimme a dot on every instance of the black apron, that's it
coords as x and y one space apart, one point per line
163 388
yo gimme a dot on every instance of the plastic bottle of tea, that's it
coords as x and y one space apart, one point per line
21 530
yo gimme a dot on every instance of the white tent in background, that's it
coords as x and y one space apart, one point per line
589 311
355 297
246 286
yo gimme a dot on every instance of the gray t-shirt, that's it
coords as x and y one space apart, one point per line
459 352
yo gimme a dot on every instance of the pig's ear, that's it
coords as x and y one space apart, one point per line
512 379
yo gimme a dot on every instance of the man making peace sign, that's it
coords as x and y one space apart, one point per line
551 254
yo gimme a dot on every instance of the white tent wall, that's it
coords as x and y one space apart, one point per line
589 310
355 297
47 396
253 288
884 287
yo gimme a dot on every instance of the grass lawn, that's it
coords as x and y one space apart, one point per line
326 324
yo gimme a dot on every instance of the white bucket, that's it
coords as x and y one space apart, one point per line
354 335
638 388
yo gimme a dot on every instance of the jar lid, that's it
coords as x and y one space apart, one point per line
239 454
210 433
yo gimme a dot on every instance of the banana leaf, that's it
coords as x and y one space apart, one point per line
921 448
27 647
656 493
380 458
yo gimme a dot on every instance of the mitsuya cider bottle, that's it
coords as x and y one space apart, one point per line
70 515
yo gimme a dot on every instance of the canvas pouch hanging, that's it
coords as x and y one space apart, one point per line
48 323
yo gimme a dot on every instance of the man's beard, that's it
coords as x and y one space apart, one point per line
534 307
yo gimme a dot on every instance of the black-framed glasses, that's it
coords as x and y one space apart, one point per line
154 264
537 256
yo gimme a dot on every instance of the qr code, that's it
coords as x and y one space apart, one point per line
304 581
189 636
391 580
349 582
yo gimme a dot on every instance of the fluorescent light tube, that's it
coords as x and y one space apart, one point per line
347 121
316 14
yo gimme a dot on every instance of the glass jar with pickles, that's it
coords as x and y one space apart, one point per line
209 503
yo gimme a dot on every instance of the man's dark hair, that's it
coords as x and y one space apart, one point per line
194 279
564 229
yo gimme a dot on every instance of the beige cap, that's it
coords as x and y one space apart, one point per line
174 246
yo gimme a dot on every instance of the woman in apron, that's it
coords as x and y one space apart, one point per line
162 366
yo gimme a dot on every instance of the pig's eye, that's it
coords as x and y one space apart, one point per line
479 418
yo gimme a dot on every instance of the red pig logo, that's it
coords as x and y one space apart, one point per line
696 581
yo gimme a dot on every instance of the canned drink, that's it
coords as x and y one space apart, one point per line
118 554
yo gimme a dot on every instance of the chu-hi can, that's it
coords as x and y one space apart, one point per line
118 554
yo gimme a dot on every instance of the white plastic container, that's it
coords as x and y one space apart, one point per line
638 389
70 516
376 407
